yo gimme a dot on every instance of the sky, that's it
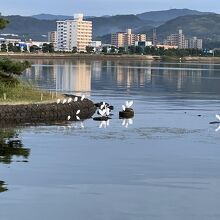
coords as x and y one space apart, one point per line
101 7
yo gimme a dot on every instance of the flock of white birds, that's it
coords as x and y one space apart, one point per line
104 111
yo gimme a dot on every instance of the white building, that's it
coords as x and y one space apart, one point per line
195 43
74 33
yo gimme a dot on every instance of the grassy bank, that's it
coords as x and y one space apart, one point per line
24 93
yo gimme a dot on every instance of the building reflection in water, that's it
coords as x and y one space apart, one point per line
73 78
61 75
11 147
82 76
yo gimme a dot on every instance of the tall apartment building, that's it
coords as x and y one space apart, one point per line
195 43
181 42
124 39
177 39
74 33
52 37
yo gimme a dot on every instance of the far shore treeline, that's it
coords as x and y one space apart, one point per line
130 50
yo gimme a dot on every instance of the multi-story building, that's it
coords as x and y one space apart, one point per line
124 39
179 40
74 33
195 43
52 37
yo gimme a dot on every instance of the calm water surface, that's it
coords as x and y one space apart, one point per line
163 165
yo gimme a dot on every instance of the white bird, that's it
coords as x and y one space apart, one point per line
77 112
75 99
128 104
64 101
218 128
107 111
83 97
102 112
69 100
102 106
123 107
68 117
58 101
218 117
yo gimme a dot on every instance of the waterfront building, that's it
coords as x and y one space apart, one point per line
125 39
179 40
195 43
97 45
166 47
75 33
144 43
52 37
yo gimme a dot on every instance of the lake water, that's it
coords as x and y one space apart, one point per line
165 164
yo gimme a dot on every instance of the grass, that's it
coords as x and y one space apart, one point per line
24 93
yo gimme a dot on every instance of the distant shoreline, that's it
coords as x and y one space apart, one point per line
107 57
78 56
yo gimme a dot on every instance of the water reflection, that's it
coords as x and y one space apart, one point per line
11 146
146 76
61 75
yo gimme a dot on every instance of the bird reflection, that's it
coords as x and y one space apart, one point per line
126 122
104 124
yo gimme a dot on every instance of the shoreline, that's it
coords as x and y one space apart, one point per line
34 113
124 57
78 56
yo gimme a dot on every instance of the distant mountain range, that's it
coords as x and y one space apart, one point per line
54 17
162 16
194 23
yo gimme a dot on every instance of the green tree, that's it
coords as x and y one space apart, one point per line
3 23
131 49
48 48
10 67
74 50
121 50
4 48
139 50
34 48
105 50
89 49
113 49
10 47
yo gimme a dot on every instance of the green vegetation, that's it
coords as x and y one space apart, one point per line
3 23
21 92
11 88
154 51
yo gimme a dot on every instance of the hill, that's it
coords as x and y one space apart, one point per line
37 29
163 16
206 26
203 26
107 25
51 17
28 27
55 17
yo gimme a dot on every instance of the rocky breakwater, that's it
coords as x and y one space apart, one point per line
46 112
